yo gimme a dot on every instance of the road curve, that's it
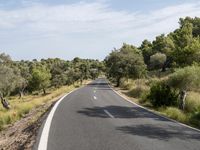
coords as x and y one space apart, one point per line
96 118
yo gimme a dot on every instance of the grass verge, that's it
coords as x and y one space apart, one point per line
21 107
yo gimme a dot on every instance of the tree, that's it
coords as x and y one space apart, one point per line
195 23
162 44
72 76
147 51
23 75
58 71
187 47
84 70
7 83
57 81
5 59
159 43
40 78
126 62
157 61
21 84
183 36
7 80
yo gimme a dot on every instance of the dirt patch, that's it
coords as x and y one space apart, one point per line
22 134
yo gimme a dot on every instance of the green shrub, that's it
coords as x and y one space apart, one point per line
195 118
187 78
162 95
126 84
144 97
196 115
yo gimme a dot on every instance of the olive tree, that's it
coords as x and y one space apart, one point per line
126 62
40 78
157 61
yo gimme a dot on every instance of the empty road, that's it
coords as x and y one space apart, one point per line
96 118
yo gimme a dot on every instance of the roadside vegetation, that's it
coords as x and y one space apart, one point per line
164 74
25 85
29 102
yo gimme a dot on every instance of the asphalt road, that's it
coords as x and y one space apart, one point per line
96 118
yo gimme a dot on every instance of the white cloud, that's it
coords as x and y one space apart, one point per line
92 17
88 20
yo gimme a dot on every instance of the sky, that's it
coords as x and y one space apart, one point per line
35 29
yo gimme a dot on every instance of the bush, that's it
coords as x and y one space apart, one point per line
162 95
187 78
126 84
195 118
144 98
136 92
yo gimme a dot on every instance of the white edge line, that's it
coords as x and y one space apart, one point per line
45 132
109 114
152 111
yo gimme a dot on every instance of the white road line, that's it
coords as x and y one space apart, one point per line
109 114
45 132
95 97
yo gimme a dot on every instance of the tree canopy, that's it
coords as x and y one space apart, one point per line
126 62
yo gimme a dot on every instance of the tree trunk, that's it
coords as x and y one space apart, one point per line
164 68
118 81
44 91
81 81
4 102
138 83
166 64
21 91
183 95
21 94
127 79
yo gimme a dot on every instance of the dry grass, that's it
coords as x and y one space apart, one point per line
175 114
192 101
19 108
136 88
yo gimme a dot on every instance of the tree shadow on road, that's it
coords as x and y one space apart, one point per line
164 132
94 112
120 112
157 127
